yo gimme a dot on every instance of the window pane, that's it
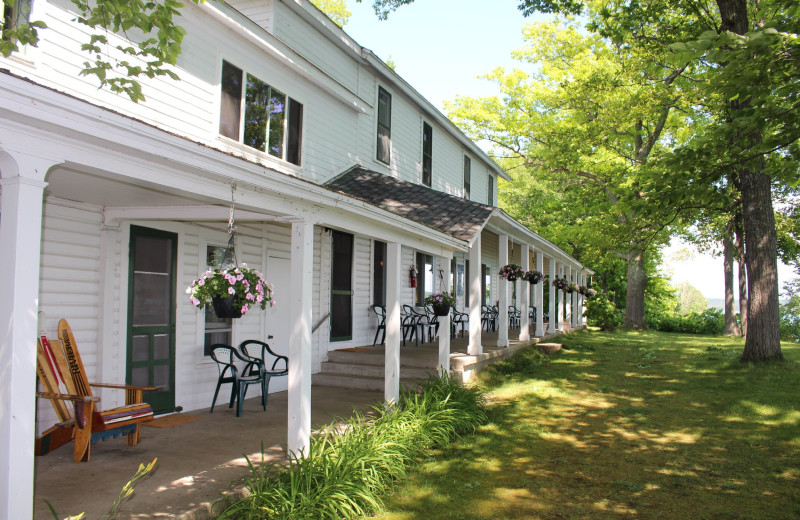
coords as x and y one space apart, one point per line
218 330
230 110
384 144
277 116
161 377
491 191
151 302
427 154
379 274
153 254
161 346
140 350
342 268
140 376
255 113
467 176
295 129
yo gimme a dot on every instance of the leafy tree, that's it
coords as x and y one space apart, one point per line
790 312
335 9
115 65
690 299
591 118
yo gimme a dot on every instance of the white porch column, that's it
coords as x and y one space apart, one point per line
391 388
302 274
444 323
551 309
561 324
502 326
524 296
568 310
22 187
475 280
538 300
579 318
575 276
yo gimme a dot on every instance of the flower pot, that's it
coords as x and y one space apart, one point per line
225 308
441 310
512 278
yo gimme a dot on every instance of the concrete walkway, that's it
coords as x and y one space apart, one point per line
196 461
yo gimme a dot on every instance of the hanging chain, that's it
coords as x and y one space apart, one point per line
229 259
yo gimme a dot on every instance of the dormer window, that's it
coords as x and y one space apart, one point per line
272 121
384 145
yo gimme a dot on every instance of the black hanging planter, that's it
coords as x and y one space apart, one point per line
441 310
225 308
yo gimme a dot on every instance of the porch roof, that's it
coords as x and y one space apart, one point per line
457 217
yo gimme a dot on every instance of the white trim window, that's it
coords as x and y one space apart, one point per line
384 145
272 122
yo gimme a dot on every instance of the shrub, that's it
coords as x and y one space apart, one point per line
710 322
347 469
602 312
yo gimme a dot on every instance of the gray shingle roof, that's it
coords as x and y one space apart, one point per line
454 216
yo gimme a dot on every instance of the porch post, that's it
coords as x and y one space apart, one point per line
502 334
551 308
22 187
524 293
299 398
561 324
568 317
575 295
539 296
444 322
391 392
475 275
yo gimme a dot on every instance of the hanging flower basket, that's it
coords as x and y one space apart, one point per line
511 272
533 277
560 283
440 302
589 292
225 307
242 287
571 288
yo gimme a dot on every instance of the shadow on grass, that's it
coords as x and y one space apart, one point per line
624 425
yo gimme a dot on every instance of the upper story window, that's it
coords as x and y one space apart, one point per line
272 122
384 126
427 154
467 175
16 14
491 190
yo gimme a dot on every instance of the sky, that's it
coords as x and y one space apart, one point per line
440 47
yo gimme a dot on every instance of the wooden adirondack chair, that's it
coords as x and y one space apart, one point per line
63 377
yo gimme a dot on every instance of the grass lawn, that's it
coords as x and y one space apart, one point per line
623 425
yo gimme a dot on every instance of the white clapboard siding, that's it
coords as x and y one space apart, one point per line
260 11
315 47
69 284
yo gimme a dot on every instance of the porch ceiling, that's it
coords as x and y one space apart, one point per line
105 190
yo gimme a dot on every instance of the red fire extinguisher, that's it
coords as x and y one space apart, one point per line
412 276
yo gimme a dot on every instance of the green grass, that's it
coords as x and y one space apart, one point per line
622 425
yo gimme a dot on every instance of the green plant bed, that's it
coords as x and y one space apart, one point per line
622 425
349 468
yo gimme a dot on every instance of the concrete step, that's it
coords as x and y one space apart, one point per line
372 370
375 384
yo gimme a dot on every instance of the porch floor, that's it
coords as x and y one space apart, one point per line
198 460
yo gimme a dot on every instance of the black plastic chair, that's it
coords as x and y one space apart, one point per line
380 313
514 317
457 318
431 322
225 357
409 321
262 360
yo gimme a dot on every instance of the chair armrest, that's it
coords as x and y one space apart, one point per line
68 397
124 387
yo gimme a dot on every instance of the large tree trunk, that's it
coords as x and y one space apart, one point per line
742 265
636 284
731 326
761 253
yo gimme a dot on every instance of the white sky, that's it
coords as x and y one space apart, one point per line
441 46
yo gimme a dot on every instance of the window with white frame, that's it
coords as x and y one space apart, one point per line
491 191
384 145
15 14
427 154
259 115
467 176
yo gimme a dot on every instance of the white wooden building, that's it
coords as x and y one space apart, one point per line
87 176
